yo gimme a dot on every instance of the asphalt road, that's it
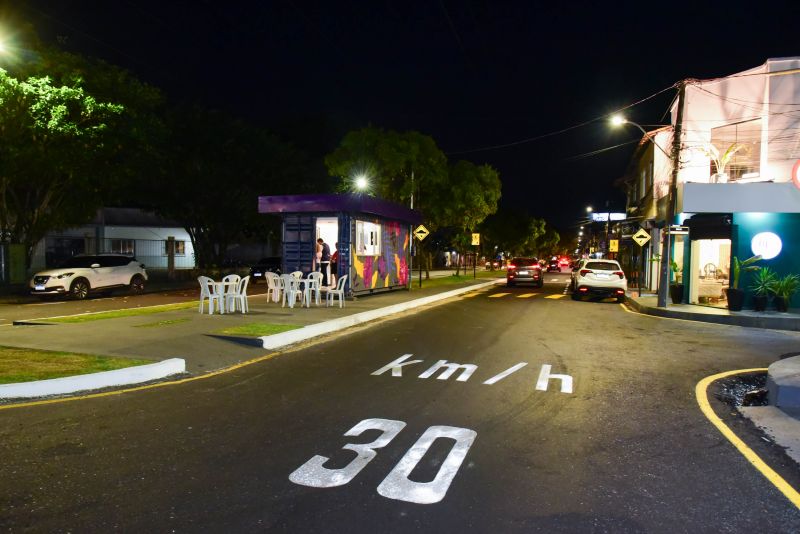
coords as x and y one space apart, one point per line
623 448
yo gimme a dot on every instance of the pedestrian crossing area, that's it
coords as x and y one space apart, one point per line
523 295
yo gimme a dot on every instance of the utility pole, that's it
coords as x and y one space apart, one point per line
663 283
412 245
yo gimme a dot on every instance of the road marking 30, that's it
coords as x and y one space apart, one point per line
396 485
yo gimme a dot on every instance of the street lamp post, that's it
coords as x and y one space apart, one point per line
674 157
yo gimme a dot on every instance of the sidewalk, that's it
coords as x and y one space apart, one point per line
648 304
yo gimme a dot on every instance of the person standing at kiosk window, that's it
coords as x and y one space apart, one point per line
325 261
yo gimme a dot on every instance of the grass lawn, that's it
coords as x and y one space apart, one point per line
132 312
452 279
258 329
26 365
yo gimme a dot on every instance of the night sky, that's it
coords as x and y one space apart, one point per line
471 73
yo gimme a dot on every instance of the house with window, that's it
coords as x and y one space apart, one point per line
130 231
738 189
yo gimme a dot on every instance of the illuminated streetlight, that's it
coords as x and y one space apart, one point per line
588 209
362 182
619 120
580 233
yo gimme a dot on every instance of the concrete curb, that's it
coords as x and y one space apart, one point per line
783 383
72 384
773 323
311 331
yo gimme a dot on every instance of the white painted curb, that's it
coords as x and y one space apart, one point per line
311 331
117 377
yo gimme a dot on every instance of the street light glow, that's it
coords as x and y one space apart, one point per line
361 182
588 209
618 120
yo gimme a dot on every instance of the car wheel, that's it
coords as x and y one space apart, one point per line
575 296
79 289
620 299
509 284
541 285
137 285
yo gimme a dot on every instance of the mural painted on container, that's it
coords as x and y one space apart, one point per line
387 269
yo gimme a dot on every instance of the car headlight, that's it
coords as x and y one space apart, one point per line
64 275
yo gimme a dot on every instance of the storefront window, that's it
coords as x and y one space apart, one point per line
710 271
368 238
743 140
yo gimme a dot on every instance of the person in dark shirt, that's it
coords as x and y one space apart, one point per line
325 261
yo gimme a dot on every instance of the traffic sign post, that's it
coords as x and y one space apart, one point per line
420 232
641 238
476 241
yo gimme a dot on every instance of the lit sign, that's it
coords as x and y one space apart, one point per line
603 217
766 244
796 174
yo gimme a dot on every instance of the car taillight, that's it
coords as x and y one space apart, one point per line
533 267
584 272
620 274
583 289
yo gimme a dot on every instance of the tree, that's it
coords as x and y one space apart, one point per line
218 168
55 144
518 234
473 195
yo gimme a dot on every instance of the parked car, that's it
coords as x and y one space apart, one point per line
524 271
264 265
82 275
553 265
598 278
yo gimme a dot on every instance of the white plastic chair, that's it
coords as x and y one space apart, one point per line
297 274
208 290
313 285
291 290
273 286
338 292
240 297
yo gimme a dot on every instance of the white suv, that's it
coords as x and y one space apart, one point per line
81 275
598 278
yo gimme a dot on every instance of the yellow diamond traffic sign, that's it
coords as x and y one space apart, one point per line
641 237
420 232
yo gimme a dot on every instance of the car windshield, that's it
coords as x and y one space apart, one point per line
525 262
602 266
79 261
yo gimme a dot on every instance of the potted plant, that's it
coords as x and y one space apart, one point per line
784 288
676 288
721 160
734 294
763 286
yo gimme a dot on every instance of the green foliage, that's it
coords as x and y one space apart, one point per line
746 265
218 168
518 234
763 282
786 286
54 149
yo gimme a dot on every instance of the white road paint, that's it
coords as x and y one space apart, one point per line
497 378
545 376
397 365
397 485
467 370
313 474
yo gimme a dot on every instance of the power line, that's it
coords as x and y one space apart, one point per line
563 130
601 150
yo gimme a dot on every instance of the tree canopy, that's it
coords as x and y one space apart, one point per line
55 144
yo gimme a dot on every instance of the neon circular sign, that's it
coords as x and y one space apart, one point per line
766 244
796 174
